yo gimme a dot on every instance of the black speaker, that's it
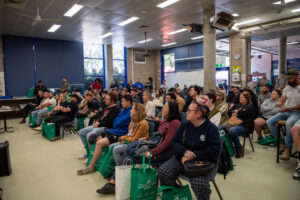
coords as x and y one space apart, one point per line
5 167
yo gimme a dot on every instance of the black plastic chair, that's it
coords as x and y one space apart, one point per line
69 127
244 143
212 177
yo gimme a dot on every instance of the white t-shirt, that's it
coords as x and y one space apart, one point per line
52 102
150 109
292 96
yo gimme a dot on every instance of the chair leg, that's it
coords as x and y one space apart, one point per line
219 193
63 133
278 143
251 143
244 144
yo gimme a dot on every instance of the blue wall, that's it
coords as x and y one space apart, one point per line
186 51
49 61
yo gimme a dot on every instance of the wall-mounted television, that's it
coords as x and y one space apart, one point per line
139 57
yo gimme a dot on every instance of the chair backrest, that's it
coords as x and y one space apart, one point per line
151 127
183 117
218 161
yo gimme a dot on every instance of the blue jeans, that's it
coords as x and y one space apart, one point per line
87 131
234 133
39 113
290 117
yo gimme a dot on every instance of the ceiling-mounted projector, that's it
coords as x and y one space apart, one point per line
223 21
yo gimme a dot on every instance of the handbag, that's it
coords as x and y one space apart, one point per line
194 168
234 121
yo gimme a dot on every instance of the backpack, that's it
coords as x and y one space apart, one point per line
225 164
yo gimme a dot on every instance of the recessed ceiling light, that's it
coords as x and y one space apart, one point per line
72 11
107 35
54 28
296 10
286 1
247 22
235 15
178 31
128 21
196 38
289 43
169 44
143 41
166 3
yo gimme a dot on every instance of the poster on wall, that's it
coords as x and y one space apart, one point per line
236 69
169 62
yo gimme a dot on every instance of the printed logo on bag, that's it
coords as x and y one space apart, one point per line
176 197
202 138
149 184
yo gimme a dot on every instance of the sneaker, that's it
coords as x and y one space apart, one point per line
108 188
22 121
297 172
38 128
83 156
54 138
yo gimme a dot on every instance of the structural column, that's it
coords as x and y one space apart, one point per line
209 46
246 60
109 66
2 81
282 54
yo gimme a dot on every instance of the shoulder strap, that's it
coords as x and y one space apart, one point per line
184 134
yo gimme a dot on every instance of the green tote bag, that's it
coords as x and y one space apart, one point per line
50 131
173 193
91 154
228 144
143 182
107 167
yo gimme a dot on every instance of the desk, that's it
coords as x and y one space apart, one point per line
3 112
15 102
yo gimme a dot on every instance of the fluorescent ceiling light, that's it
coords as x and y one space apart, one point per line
128 21
289 43
54 28
247 22
296 10
235 15
178 31
286 1
72 11
166 3
143 41
196 38
107 35
169 44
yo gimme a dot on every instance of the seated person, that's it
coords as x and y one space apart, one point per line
96 94
39 86
104 119
83 102
149 105
96 85
65 112
243 111
136 99
194 91
168 127
140 95
38 107
170 97
192 147
43 108
29 107
233 97
106 137
179 99
267 109
253 100
296 138
65 86
91 107
290 111
138 128
264 94
158 99
215 107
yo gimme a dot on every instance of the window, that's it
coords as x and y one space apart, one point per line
93 64
119 65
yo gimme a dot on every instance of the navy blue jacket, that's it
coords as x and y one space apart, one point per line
203 140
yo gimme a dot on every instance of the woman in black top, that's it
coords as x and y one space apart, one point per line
244 111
